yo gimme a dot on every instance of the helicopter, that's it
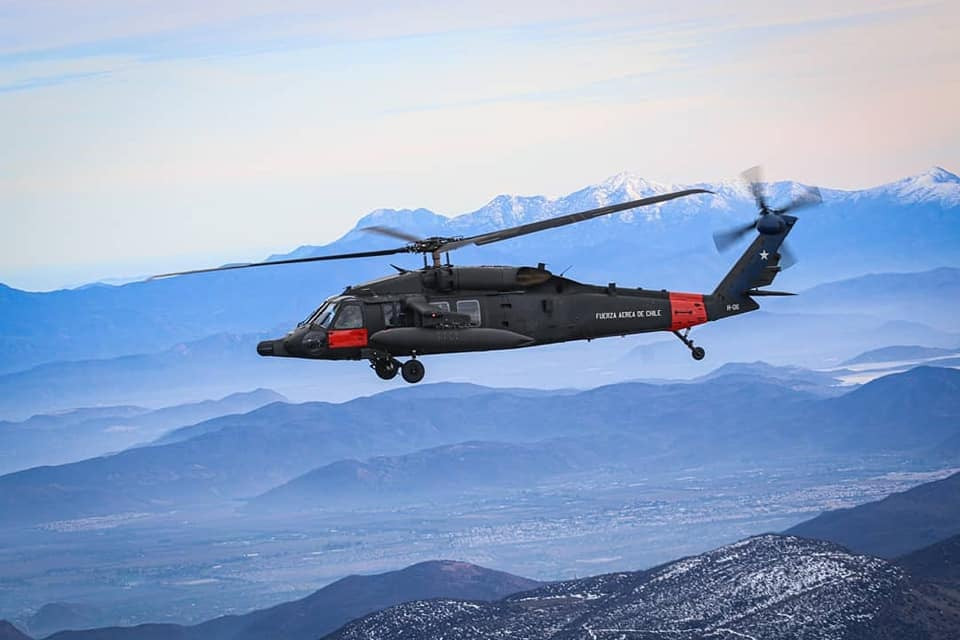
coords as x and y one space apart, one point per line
444 308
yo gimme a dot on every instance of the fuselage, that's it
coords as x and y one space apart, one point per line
452 309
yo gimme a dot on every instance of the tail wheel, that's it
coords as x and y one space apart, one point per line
412 371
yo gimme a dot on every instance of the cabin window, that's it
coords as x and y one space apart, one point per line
351 317
443 306
396 315
389 314
470 308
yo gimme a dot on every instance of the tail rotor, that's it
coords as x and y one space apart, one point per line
769 220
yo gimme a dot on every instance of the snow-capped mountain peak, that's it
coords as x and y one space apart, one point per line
775 587
631 185
935 186
927 196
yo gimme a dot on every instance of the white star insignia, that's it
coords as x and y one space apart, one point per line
764 255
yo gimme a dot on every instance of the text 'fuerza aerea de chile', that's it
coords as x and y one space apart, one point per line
620 315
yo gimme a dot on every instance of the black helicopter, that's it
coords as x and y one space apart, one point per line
443 308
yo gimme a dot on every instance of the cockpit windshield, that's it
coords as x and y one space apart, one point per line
325 312
324 316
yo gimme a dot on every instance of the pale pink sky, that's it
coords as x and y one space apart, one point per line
142 136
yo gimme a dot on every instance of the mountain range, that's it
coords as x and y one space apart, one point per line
448 470
330 607
900 353
909 225
50 439
898 524
182 373
410 452
769 587
764 587
877 412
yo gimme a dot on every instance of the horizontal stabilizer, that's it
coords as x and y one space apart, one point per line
760 292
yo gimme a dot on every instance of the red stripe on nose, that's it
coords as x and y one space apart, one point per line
345 338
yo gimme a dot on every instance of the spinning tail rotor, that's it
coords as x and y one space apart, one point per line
770 220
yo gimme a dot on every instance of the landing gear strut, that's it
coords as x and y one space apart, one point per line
386 368
697 352
412 371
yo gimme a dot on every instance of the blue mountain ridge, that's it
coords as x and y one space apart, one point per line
84 433
328 608
240 456
895 525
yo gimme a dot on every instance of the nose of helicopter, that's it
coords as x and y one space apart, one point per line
300 343
271 348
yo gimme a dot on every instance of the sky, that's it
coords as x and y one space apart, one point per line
139 137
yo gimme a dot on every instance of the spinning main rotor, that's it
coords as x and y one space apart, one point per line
769 221
437 245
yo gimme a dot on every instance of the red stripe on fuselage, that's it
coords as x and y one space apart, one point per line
345 338
686 310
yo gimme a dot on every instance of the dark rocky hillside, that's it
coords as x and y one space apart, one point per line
767 587
939 562
10 632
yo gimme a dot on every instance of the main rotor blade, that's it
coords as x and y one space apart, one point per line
560 221
391 232
754 179
729 237
810 197
337 256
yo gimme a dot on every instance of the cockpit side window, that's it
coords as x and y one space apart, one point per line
350 317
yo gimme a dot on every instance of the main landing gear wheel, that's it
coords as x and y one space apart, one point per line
412 371
697 352
387 369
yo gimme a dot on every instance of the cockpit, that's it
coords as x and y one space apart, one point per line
336 313
322 317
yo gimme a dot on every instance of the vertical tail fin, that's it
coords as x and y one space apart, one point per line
757 267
